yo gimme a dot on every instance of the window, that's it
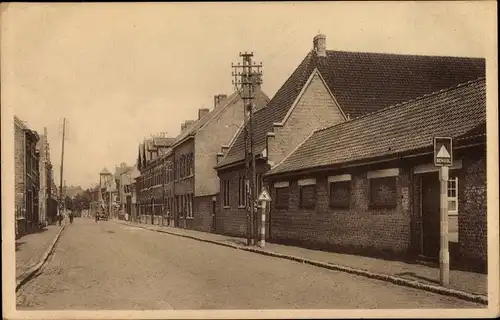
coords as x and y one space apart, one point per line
225 192
383 193
259 183
282 198
340 194
190 206
453 195
242 191
307 196
191 164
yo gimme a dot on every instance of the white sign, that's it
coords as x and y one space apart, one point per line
264 196
443 151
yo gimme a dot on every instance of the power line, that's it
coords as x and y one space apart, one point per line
247 76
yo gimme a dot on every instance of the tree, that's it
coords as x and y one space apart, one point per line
68 203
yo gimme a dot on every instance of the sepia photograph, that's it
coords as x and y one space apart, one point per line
249 160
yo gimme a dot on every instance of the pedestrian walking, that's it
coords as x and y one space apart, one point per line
96 217
59 219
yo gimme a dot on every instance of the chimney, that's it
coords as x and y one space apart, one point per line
218 98
183 126
319 45
188 123
203 112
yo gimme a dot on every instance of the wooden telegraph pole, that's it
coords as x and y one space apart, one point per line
246 80
443 159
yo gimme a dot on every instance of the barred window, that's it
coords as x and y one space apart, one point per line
340 194
282 198
307 196
383 193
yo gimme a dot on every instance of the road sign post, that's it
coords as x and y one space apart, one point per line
264 198
443 159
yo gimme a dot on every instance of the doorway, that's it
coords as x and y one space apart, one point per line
430 195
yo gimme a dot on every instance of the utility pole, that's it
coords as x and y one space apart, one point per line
246 77
61 197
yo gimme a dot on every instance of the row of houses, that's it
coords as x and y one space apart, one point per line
35 189
345 149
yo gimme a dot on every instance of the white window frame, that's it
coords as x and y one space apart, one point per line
453 180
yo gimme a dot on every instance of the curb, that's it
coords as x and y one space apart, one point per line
33 270
478 298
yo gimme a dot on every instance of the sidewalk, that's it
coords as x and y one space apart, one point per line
468 282
31 248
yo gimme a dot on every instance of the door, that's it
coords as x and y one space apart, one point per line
430 193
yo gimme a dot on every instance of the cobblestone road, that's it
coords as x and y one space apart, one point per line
112 266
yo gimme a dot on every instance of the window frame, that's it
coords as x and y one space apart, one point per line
242 191
337 205
311 205
277 203
225 193
453 180
386 206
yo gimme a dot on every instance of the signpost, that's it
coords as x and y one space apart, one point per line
443 159
264 198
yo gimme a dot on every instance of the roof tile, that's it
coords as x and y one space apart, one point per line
457 112
362 83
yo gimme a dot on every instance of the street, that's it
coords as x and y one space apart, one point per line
111 266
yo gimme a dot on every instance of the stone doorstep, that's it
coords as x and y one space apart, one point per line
478 298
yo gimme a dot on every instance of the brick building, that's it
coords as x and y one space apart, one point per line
47 208
152 165
126 188
328 88
27 182
369 185
184 182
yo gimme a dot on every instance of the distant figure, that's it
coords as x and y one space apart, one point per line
71 217
96 217
59 218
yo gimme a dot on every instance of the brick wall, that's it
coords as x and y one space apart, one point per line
232 220
208 143
19 154
472 223
203 208
315 109
358 229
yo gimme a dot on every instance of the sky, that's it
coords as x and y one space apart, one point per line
120 72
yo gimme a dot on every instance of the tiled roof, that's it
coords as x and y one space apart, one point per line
363 83
394 130
234 97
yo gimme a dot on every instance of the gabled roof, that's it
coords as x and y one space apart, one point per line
261 100
362 83
394 130
105 171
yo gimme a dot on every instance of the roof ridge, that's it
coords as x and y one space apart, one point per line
404 54
427 95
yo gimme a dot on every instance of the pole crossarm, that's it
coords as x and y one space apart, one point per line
247 77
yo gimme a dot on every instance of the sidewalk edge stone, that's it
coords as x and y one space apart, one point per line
478 298
25 277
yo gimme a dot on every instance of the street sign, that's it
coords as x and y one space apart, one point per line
264 196
443 151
